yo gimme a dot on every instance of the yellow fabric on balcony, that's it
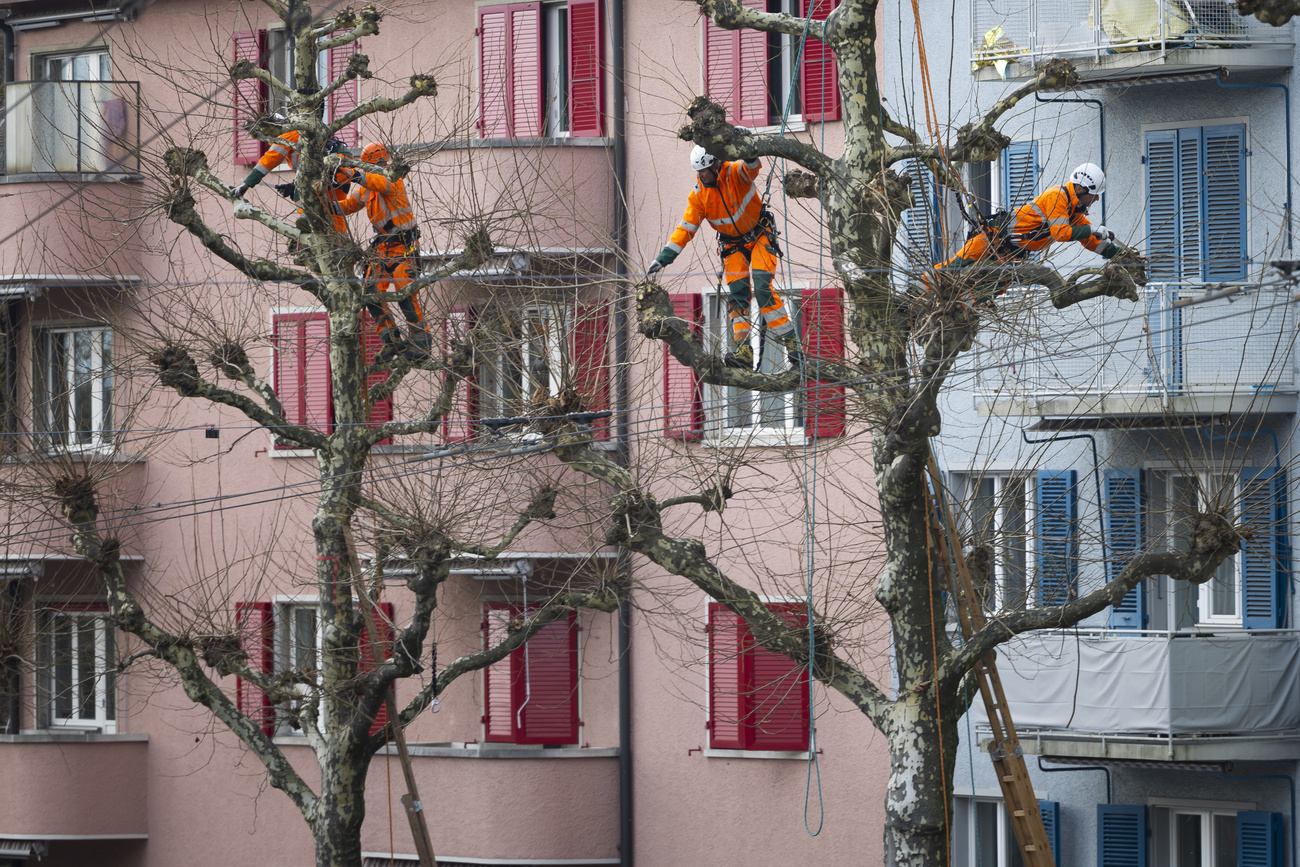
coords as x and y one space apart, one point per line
1130 23
999 51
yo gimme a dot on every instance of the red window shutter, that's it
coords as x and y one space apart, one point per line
683 392
498 710
751 108
286 378
302 369
589 358
727 679
778 699
249 95
366 660
458 426
527 94
819 74
493 71
346 97
380 411
255 627
721 57
586 68
823 337
546 685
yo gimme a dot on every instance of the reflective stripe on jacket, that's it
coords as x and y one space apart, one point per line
732 206
1054 215
385 202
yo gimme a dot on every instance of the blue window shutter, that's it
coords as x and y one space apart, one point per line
1162 205
922 234
1123 498
1263 491
1260 841
1121 835
1225 201
1051 812
1191 202
1056 543
1019 174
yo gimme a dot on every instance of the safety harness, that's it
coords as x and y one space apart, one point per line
765 227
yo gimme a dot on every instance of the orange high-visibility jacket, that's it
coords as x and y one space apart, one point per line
385 202
732 207
1054 215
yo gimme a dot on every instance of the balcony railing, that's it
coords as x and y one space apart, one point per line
72 127
1081 30
1107 685
1174 350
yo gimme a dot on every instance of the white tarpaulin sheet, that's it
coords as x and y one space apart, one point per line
1239 684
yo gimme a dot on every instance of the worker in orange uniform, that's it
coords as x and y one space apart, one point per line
285 147
396 249
1057 214
725 195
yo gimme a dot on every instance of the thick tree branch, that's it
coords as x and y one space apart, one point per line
709 129
731 15
421 85
1273 12
979 141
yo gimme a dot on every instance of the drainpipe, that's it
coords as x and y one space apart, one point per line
621 427
1286 105
1067 770
1101 123
1096 476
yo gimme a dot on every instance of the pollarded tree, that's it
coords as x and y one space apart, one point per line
337 702
903 349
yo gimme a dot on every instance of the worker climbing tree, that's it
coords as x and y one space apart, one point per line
394 252
726 196
285 148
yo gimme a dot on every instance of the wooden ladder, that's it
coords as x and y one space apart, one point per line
1008 759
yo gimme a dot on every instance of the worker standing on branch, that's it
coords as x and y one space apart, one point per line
1057 214
285 147
725 195
396 249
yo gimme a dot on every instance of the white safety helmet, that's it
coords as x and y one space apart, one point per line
701 159
1091 178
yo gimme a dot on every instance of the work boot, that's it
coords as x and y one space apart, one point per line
419 346
791 343
741 356
391 348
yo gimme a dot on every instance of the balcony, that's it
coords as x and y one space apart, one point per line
1121 39
1178 352
74 785
1231 696
73 130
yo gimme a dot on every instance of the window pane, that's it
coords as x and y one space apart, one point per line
58 380
61 634
106 380
85 668
1187 840
83 385
1014 542
304 656
1225 841
110 672
986 834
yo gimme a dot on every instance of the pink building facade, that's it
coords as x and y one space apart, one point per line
666 739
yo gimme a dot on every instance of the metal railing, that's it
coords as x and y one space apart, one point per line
1239 345
1032 30
72 127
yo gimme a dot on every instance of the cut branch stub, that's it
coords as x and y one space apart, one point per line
975 146
184 162
478 249
424 84
232 360
707 118
243 69
801 185
542 508
1059 73
176 369
1273 12
76 496
359 66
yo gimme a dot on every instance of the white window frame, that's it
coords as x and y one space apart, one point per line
100 376
104 695
964 488
1008 850
1207 811
555 69
1226 486
98 66
717 330
779 86
494 402
285 610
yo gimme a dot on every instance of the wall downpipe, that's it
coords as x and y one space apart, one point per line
1101 123
622 399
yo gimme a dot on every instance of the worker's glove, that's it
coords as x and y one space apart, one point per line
1101 233
654 268
1110 250
237 191
288 190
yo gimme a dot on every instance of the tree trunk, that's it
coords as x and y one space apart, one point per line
923 750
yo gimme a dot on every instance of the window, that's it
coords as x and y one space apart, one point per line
301 375
752 74
526 354
541 69
286 637
270 50
996 511
1194 834
74 386
78 671
1020 174
1196 202
984 837
758 700
737 414
84 66
531 696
